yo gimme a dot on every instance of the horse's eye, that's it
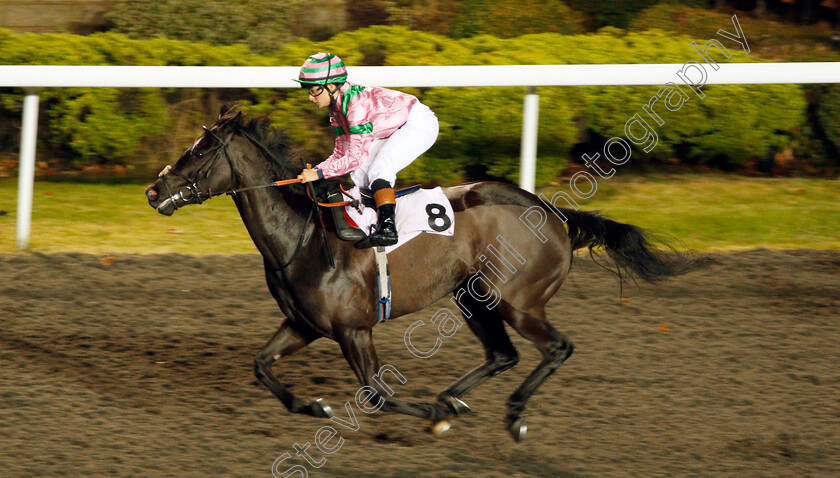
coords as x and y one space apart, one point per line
199 155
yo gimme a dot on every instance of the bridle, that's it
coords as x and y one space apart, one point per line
192 186
193 190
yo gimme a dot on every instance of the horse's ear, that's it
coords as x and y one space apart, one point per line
224 109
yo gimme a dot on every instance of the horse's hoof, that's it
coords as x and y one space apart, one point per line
321 409
440 427
457 405
518 429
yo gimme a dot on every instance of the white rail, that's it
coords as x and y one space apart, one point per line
529 76
408 76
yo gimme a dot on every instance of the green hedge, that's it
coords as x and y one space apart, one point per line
480 127
736 122
107 125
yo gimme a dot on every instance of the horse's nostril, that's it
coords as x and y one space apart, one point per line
151 193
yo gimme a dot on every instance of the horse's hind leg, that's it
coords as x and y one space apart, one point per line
555 349
358 349
500 353
286 341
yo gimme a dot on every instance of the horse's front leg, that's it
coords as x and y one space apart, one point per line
287 341
358 349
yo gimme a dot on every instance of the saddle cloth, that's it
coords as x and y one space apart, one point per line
426 210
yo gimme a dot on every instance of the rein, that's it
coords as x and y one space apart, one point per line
193 190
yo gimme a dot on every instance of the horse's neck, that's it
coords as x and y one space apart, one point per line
273 225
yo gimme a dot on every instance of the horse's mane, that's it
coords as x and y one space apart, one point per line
284 160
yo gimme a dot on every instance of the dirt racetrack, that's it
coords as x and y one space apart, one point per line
143 366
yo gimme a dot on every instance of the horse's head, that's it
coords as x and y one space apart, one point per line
205 169
232 155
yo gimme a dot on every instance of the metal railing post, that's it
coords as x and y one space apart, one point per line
26 173
528 158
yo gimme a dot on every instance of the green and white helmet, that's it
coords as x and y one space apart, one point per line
322 69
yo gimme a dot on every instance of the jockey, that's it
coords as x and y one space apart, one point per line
379 132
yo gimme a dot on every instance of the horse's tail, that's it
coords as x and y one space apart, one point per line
631 248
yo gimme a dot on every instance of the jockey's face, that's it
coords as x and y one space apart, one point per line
320 96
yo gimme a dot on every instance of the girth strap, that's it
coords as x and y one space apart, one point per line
383 285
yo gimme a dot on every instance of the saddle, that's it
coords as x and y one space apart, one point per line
344 227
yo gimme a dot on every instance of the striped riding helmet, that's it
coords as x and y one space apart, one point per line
321 69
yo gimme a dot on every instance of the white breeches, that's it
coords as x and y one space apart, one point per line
392 154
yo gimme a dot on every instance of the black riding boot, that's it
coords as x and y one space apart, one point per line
385 233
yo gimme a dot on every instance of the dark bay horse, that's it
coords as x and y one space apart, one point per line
340 303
